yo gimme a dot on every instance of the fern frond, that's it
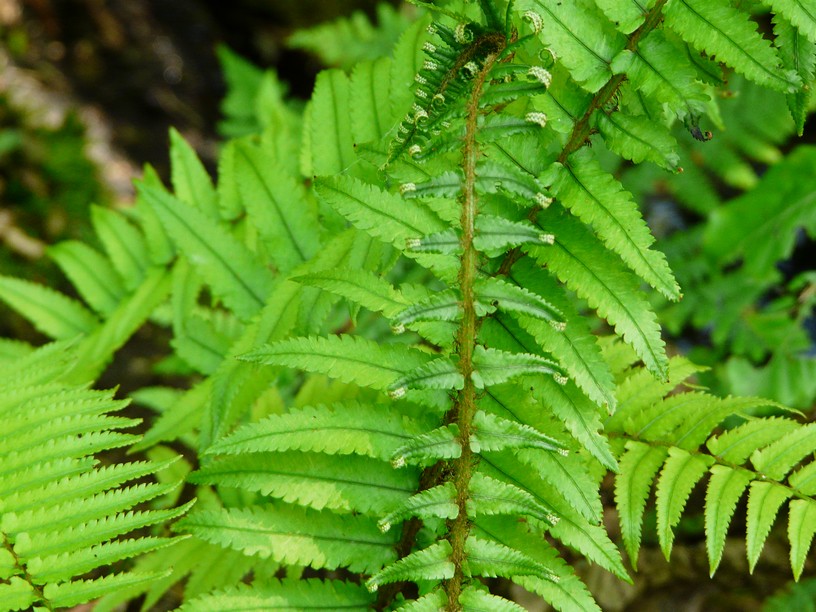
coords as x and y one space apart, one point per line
295 535
764 502
493 433
575 346
440 373
779 457
473 599
191 182
576 259
384 215
737 444
454 195
489 496
63 515
638 467
639 139
431 602
440 443
294 594
801 13
721 30
360 287
54 314
797 51
492 559
432 563
680 473
493 367
348 358
315 480
124 244
332 152
435 502
337 429
627 16
598 199
565 591
95 350
234 273
580 36
494 235
725 488
91 273
278 206
801 528
653 71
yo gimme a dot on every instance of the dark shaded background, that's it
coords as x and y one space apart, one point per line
151 64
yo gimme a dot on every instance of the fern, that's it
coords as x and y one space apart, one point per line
386 307
674 446
65 518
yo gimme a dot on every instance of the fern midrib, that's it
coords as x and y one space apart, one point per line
465 405
36 588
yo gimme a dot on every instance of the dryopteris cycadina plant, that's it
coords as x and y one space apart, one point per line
438 270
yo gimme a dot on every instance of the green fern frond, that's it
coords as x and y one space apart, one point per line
580 35
123 243
191 183
295 536
338 429
293 594
386 309
54 314
671 434
348 358
637 138
316 480
432 563
63 516
732 38
575 258
797 50
597 199
91 273
234 273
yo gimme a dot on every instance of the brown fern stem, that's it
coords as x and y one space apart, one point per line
464 408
